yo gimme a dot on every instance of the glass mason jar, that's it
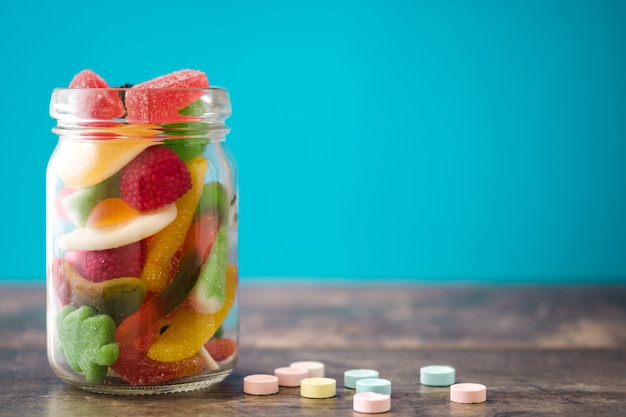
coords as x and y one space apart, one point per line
141 242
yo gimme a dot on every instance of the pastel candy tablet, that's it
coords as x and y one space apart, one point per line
379 385
318 387
260 384
316 369
468 393
437 375
290 377
352 376
371 403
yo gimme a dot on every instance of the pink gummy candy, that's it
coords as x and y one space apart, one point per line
91 101
155 102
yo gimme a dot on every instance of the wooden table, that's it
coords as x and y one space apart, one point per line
542 351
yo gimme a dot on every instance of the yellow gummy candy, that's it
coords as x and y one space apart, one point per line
82 164
190 330
164 244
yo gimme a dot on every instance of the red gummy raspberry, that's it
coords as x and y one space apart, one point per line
156 177
102 265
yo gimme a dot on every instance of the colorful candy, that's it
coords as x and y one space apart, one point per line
140 249
190 330
86 339
163 303
136 368
117 297
209 293
163 245
82 164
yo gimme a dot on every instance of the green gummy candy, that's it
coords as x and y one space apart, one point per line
186 148
87 339
214 198
195 108
209 293
78 205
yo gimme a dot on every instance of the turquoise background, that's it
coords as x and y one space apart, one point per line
426 140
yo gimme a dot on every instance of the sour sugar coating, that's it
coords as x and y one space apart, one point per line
162 304
102 265
95 104
190 330
137 369
209 293
164 245
161 99
86 338
156 177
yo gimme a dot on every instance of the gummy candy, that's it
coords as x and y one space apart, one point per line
102 265
214 199
156 177
163 303
190 330
221 348
163 245
201 234
141 227
117 297
110 212
136 368
76 204
83 164
209 293
188 148
86 339
160 99
95 104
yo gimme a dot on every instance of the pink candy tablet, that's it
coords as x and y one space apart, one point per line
468 393
260 384
290 377
371 403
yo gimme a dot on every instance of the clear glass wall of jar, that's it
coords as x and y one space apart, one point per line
141 251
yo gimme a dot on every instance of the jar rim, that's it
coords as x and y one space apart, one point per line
138 87
74 104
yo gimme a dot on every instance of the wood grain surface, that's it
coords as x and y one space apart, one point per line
541 351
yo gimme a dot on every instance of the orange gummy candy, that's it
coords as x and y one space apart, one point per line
110 212
190 330
164 245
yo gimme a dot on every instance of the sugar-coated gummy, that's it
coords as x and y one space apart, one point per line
86 339
164 245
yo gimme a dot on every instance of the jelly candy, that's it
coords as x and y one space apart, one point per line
95 104
209 293
188 148
77 204
82 164
214 199
190 330
136 368
110 212
201 234
163 303
221 348
117 297
159 100
86 339
163 245
140 227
